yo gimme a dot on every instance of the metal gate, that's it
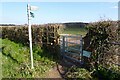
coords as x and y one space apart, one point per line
71 47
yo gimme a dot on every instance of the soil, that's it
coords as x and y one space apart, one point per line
54 72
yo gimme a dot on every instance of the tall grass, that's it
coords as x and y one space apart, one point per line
16 61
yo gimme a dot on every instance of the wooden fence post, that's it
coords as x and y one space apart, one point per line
81 50
63 43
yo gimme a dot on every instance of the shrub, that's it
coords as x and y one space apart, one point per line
80 73
99 35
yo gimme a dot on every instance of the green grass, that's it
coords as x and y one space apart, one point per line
81 31
16 61
81 73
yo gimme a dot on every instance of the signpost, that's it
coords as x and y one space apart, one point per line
30 14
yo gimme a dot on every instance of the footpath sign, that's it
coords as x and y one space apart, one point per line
30 14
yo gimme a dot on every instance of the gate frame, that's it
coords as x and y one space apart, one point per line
63 50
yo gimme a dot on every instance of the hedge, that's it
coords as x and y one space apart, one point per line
45 36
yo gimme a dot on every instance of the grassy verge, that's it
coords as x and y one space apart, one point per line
81 73
16 61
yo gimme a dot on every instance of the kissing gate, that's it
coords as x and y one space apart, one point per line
71 48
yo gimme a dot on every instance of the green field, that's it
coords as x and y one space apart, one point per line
81 31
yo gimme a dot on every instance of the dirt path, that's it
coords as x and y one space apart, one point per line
53 73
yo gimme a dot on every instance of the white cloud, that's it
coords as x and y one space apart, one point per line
115 7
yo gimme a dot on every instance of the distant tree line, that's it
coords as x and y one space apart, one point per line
7 24
67 25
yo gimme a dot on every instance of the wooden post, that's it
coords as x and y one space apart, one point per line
47 35
81 51
63 43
